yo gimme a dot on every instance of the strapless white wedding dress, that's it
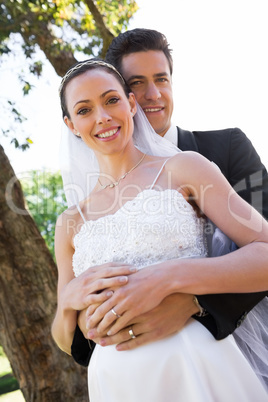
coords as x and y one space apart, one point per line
190 366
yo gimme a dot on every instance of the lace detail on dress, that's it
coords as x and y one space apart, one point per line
153 227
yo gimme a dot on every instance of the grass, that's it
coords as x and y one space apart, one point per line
15 396
9 387
5 367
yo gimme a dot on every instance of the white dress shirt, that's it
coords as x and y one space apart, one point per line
172 134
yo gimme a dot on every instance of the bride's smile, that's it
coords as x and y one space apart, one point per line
108 134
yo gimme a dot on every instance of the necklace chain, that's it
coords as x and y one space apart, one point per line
115 183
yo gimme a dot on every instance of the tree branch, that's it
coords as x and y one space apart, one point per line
61 58
105 33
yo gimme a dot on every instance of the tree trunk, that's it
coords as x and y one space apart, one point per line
28 281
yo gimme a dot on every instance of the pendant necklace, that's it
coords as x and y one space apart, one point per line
115 183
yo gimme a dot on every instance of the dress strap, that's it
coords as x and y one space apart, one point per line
80 212
158 174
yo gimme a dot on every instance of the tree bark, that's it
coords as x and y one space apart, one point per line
28 282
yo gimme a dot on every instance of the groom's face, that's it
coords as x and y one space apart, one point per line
148 76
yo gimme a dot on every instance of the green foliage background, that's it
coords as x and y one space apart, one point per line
45 200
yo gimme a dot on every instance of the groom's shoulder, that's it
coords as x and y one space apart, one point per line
198 139
218 133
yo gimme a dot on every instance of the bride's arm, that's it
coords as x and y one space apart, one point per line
245 270
64 323
75 294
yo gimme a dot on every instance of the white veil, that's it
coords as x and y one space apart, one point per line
252 335
252 339
79 165
80 172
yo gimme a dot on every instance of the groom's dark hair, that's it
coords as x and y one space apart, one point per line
137 40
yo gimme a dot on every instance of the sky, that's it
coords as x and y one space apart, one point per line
220 76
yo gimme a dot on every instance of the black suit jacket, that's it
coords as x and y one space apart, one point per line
232 151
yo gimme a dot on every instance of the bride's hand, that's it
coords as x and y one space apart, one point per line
169 317
83 314
93 286
144 291
87 312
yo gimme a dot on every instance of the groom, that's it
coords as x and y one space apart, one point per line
144 59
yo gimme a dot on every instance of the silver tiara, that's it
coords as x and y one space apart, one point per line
89 62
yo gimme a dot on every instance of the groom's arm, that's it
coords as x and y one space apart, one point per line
82 348
164 320
248 176
226 313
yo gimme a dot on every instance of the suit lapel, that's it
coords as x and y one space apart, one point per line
186 140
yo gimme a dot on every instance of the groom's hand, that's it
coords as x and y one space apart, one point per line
167 318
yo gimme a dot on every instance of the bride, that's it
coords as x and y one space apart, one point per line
140 208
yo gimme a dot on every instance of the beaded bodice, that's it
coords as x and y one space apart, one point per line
153 227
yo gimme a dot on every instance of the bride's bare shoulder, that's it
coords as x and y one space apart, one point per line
191 167
187 158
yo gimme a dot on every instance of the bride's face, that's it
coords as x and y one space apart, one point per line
99 111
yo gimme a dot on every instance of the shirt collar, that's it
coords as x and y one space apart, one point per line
172 135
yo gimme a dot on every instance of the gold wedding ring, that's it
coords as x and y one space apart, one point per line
115 313
131 333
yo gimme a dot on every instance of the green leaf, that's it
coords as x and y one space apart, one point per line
26 88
